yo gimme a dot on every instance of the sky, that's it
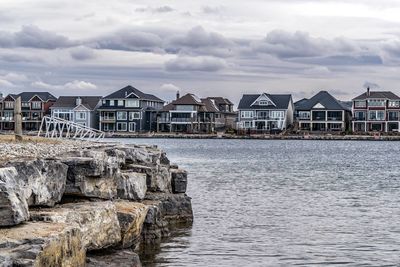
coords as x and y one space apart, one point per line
210 48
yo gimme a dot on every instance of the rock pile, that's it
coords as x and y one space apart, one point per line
85 205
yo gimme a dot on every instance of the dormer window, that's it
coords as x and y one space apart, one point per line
264 103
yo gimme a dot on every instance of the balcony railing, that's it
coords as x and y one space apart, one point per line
334 118
107 119
360 118
393 118
181 119
267 118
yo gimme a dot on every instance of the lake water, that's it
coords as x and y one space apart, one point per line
286 203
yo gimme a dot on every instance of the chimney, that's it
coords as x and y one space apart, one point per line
177 94
78 101
368 92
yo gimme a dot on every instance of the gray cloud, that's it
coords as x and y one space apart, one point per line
208 64
34 37
82 53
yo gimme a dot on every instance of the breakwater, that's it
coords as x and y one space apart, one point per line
92 205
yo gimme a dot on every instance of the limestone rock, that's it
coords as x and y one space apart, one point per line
41 244
13 205
154 227
175 208
88 177
179 180
158 177
98 221
131 185
131 217
43 181
113 258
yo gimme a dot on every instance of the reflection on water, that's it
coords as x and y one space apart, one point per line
284 203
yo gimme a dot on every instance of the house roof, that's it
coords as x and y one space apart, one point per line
280 101
300 102
323 98
220 100
377 94
26 96
205 104
129 90
89 102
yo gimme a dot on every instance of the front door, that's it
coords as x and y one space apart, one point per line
132 127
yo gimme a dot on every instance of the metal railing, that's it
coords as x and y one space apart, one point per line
59 128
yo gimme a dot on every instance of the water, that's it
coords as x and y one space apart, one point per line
286 203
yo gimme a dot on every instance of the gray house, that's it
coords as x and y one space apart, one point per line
265 112
322 112
78 109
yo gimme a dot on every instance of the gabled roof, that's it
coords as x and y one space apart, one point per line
220 100
44 96
281 101
209 105
300 102
322 100
377 94
188 99
89 102
129 91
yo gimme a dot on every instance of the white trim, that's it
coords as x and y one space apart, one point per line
129 127
34 96
264 95
318 105
132 94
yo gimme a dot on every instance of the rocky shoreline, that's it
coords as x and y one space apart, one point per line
93 204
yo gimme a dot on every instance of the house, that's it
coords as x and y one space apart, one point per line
265 112
226 118
188 114
34 106
376 111
78 109
129 110
322 112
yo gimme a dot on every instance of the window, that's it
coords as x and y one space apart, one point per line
120 103
134 116
132 103
304 115
277 114
132 127
25 104
247 124
359 115
393 115
264 103
394 104
121 126
111 103
376 103
185 107
9 104
376 115
81 115
360 104
121 115
246 114
36 105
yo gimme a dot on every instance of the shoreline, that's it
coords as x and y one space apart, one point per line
260 137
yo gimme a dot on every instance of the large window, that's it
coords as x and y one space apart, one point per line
376 103
134 116
247 124
304 115
121 115
376 115
319 116
120 103
360 104
359 115
36 105
121 126
132 103
394 104
277 114
9 104
185 107
393 115
246 114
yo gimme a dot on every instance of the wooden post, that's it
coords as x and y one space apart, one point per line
18 120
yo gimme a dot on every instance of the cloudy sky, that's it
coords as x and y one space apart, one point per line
211 48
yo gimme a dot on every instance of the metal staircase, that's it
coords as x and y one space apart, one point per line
59 128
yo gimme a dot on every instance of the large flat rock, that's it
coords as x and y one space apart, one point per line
131 185
97 221
41 244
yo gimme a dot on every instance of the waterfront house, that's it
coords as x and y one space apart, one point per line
322 113
34 106
78 109
226 117
265 112
129 110
376 111
188 114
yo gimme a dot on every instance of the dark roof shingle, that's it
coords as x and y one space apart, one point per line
127 90
377 94
281 101
89 102
325 99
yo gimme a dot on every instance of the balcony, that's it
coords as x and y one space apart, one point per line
359 118
163 120
181 120
267 118
107 119
393 118
334 118
6 119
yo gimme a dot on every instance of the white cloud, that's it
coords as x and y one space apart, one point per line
5 83
208 64
74 85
